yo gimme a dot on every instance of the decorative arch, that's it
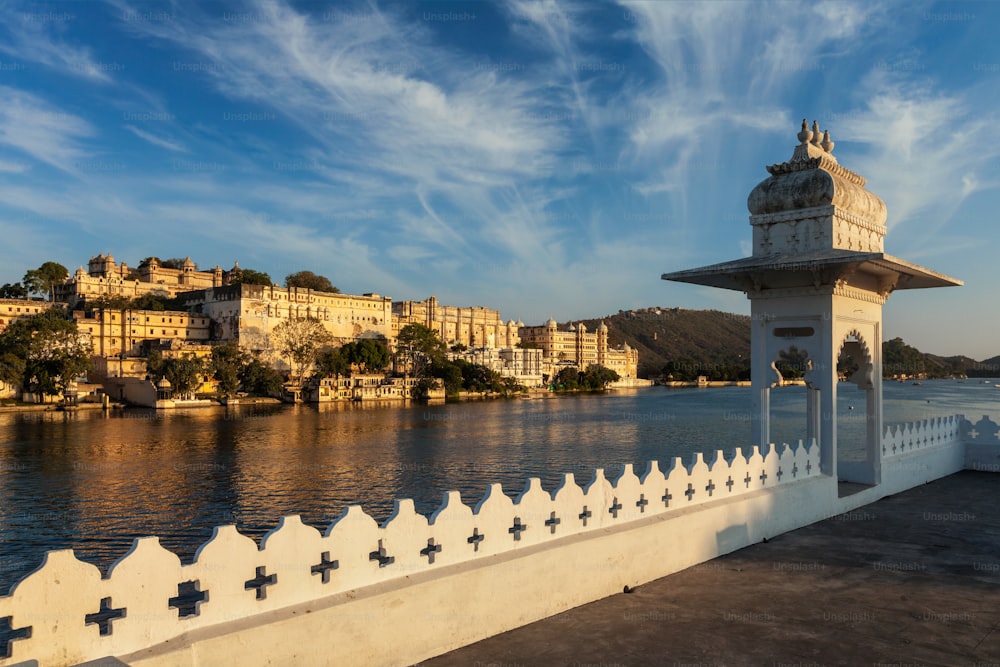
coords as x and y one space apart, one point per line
859 350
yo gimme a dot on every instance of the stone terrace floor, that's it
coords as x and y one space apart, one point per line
913 579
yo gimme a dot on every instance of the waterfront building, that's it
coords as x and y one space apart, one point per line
579 348
473 326
522 364
123 332
248 314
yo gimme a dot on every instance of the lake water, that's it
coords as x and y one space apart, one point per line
93 481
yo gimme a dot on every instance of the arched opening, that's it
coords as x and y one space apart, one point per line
858 463
789 414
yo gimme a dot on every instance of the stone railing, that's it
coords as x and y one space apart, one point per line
66 612
904 438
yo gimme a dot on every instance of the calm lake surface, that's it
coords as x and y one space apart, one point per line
93 481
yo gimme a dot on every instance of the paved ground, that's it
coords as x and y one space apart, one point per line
913 579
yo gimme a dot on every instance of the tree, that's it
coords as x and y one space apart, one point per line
299 341
13 291
568 378
44 279
148 301
259 379
369 354
183 373
43 353
332 362
309 280
250 277
450 373
176 263
597 378
417 346
227 364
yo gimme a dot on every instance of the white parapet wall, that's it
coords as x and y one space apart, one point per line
364 594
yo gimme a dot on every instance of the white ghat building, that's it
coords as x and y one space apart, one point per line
360 593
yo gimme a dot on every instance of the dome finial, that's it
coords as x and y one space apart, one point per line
817 135
827 145
804 134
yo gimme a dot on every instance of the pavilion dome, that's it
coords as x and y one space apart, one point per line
812 179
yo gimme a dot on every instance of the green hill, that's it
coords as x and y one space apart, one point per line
695 342
688 343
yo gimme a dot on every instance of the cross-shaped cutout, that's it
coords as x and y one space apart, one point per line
809 467
710 488
729 484
430 550
552 522
8 635
641 503
795 469
585 514
747 480
381 556
260 582
763 478
779 473
324 566
615 506
690 492
666 498
517 528
893 448
104 616
475 539
189 598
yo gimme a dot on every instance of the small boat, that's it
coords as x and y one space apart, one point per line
917 384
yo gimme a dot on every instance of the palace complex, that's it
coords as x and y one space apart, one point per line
214 310
576 347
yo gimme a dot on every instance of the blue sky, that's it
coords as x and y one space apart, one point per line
541 158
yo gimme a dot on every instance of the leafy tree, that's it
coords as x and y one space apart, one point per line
175 263
148 301
369 354
568 378
450 373
423 387
183 373
459 347
309 280
299 341
259 379
250 277
13 291
43 353
149 260
227 364
597 378
417 346
332 362
44 279
108 302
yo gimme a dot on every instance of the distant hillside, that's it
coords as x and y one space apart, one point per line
687 338
717 344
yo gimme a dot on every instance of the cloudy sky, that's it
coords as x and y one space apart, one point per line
541 158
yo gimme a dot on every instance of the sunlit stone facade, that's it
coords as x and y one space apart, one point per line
577 347
474 326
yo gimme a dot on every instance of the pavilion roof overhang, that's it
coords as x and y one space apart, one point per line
831 264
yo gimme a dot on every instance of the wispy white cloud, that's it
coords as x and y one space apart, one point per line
155 140
37 129
32 35
922 151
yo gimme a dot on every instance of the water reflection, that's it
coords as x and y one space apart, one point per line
93 481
